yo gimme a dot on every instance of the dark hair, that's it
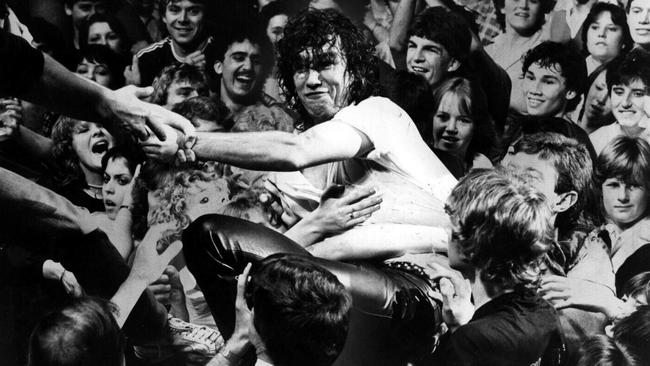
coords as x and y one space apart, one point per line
574 169
178 73
315 29
628 345
618 17
272 9
103 55
472 102
81 334
634 66
545 8
502 225
301 310
638 285
130 157
112 22
591 79
448 28
566 60
626 158
413 94
206 109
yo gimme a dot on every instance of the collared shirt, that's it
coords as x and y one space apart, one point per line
602 136
626 242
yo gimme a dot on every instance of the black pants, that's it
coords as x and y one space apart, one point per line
393 320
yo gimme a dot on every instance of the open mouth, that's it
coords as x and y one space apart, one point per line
450 139
419 70
99 147
522 15
109 204
245 78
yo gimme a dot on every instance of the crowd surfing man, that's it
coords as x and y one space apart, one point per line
350 137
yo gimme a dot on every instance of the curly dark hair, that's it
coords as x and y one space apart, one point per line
448 28
314 30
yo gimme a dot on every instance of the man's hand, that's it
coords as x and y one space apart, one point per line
125 105
563 292
456 291
11 116
132 72
168 288
343 207
148 265
196 58
163 150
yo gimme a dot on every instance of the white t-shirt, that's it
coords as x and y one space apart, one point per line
604 135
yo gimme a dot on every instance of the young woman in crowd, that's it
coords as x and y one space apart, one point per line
596 108
105 30
605 34
461 123
101 65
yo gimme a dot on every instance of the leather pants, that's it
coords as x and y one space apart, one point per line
393 319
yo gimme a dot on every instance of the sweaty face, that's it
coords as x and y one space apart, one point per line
184 21
101 33
545 91
638 19
322 82
452 129
597 104
428 59
275 28
604 38
522 15
624 203
96 72
178 92
537 172
82 10
90 142
241 70
116 179
627 103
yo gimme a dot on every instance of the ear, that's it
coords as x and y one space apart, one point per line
218 67
68 9
453 65
565 201
570 94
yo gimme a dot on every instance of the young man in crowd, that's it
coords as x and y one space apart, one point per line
291 311
242 63
177 83
188 41
561 168
79 11
554 78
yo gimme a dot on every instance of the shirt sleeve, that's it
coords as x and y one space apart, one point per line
21 65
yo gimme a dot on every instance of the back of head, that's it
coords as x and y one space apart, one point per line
502 225
445 27
301 310
82 334
318 31
571 65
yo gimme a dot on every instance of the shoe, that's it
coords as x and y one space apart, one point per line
182 338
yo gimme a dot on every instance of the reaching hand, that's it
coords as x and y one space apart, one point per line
132 72
343 207
563 292
243 316
71 285
11 116
196 58
148 265
456 291
128 192
165 149
168 288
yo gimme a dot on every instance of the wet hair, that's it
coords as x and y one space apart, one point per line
301 310
201 107
176 74
445 27
115 26
318 29
574 169
634 66
502 225
472 102
618 17
562 58
626 158
545 7
81 334
628 345
102 55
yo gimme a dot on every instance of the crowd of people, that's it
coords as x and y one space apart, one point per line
311 182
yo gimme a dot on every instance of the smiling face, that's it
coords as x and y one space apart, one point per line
275 28
184 21
99 73
627 103
624 203
117 176
241 71
638 19
90 142
452 129
322 84
428 59
604 38
101 33
597 104
545 91
522 16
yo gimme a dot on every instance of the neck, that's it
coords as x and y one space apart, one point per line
482 292
236 106
517 35
92 178
632 130
624 226
185 50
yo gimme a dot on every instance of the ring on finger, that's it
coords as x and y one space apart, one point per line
351 215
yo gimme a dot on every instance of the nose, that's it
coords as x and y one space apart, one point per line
313 78
418 55
183 16
624 193
646 18
626 102
109 187
451 126
523 4
601 32
246 64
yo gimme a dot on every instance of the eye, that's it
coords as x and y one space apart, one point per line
529 76
106 178
638 94
238 57
465 120
95 38
442 116
593 27
411 45
617 90
124 181
204 200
